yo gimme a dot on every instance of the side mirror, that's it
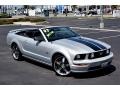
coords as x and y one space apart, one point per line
38 39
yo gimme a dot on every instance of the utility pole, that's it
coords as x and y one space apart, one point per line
66 10
101 17
87 9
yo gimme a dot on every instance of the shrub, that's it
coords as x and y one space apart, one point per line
6 21
10 21
29 19
37 19
5 16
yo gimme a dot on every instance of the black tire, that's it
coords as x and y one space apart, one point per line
61 66
17 55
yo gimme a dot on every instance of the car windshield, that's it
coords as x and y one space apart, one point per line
56 33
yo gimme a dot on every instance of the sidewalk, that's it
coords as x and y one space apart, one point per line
69 15
79 16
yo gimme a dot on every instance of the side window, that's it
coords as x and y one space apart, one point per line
34 33
38 34
29 33
22 33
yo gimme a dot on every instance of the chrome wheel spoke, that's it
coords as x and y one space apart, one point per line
59 70
66 65
65 70
58 63
15 52
63 60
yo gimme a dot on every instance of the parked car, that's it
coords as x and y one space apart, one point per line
92 12
60 48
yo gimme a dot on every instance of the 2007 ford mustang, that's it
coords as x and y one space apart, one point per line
61 48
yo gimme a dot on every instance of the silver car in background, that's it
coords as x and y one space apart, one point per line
60 48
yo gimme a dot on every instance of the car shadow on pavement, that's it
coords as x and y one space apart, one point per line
38 64
102 72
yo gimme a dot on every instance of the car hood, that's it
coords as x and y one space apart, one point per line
81 44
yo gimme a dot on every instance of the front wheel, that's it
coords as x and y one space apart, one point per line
17 55
61 66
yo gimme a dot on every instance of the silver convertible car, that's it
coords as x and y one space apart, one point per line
61 48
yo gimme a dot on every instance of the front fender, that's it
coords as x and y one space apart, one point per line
64 52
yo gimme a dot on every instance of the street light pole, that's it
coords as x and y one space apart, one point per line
101 18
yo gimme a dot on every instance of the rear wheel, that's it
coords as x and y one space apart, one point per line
61 66
17 55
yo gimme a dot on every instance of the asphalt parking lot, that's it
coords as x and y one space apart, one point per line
110 23
29 72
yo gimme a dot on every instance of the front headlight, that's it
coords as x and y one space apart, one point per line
91 55
80 57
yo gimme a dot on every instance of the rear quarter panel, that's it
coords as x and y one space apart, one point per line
14 38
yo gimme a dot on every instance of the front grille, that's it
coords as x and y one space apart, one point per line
99 54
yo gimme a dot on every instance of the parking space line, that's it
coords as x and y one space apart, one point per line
109 37
93 32
97 29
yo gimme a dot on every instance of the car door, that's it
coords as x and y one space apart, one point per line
34 48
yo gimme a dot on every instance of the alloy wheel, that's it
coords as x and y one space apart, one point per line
16 52
61 66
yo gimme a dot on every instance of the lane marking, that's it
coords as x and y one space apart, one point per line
93 32
97 29
109 37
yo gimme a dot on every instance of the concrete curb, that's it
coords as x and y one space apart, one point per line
29 23
23 23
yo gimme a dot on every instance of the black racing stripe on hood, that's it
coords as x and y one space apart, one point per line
98 44
87 43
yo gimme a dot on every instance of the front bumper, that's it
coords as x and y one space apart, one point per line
91 65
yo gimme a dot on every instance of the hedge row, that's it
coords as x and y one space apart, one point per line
2 15
5 21
28 19
10 21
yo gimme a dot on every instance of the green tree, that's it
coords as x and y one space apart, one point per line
114 7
